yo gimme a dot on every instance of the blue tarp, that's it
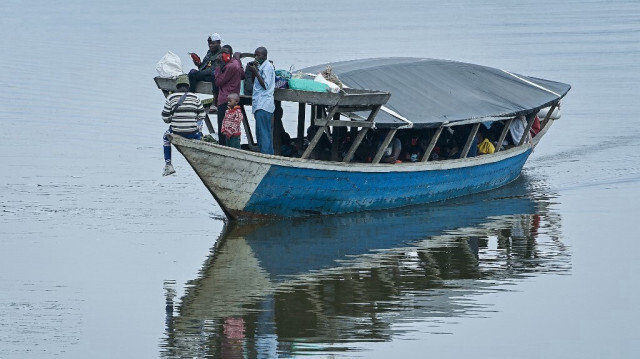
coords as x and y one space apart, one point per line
429 92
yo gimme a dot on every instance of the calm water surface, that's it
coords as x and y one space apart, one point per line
102 257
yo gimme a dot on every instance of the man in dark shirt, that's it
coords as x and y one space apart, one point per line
206 66
228 75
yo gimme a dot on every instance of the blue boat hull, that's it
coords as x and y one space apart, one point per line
292 192
247 184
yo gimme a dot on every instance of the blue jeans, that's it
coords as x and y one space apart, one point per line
167 144
263 131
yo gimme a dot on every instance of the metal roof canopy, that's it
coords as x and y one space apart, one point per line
430 92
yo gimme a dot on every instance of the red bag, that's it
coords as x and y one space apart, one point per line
195 58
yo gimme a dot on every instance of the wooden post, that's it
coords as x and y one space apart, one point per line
384 145
338 135
360 136
278 128
301 109
207 122
503 135
313 143
548 116
432 144
527 129
355 145
247 129
467 146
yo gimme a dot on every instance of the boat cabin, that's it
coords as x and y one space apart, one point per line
435 109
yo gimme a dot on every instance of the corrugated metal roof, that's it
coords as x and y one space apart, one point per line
430 92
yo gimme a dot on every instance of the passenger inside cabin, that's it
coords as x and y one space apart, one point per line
484 145
392 152
322 151
411 150
458 141
516 130
287 148
435 154
536 126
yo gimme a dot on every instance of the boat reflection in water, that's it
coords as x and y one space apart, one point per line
319 285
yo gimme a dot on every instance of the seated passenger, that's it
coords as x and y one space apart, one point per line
206 65
322 150
536 127
412 151
516 131
287 149
392 152
484 146
460 136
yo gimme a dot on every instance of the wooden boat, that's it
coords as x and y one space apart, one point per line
423 96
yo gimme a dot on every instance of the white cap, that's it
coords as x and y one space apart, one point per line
215 37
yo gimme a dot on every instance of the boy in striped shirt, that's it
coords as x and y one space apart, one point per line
185 113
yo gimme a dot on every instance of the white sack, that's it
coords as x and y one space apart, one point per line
332 87
169 66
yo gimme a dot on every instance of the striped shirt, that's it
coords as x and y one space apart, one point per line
186 116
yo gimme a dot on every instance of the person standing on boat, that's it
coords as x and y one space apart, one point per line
206 65
232 121
228 76
262 99
185 113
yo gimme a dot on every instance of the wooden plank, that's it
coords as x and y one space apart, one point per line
548 116
361 134
467 146
503 134
348 97
345 109
373 113
247 128
367 98
320 98
301 118
432 144
384 145
278 128
316 137
338 134
341 123
207 122
527 129
355 145
313 142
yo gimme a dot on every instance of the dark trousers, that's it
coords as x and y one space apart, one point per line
196 76
222 109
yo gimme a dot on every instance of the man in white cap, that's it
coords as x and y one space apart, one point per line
206 66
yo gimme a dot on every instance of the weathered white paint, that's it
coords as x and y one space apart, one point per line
225 171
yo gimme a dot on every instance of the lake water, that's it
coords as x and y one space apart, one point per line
102 257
